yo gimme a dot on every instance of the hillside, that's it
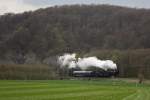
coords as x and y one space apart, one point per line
47 32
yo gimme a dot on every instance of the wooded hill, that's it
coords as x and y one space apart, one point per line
74 28
109 32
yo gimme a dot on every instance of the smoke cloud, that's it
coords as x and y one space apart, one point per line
70 61
67 60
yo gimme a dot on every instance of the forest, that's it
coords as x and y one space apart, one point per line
109 32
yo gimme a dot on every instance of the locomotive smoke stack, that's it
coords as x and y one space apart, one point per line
71 61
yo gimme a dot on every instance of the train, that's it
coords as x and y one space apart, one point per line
102 73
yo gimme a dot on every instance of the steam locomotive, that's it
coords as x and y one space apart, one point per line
99 73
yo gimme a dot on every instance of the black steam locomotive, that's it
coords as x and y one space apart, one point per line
102 73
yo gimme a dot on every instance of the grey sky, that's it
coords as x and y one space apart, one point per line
18 6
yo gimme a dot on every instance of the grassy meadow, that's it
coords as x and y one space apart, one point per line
103 89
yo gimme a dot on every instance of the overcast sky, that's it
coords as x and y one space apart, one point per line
17 6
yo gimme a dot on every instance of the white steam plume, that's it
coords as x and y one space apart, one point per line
71 61
67 60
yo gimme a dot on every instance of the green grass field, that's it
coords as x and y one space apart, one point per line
103 89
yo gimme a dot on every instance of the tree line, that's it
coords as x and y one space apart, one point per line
130 64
